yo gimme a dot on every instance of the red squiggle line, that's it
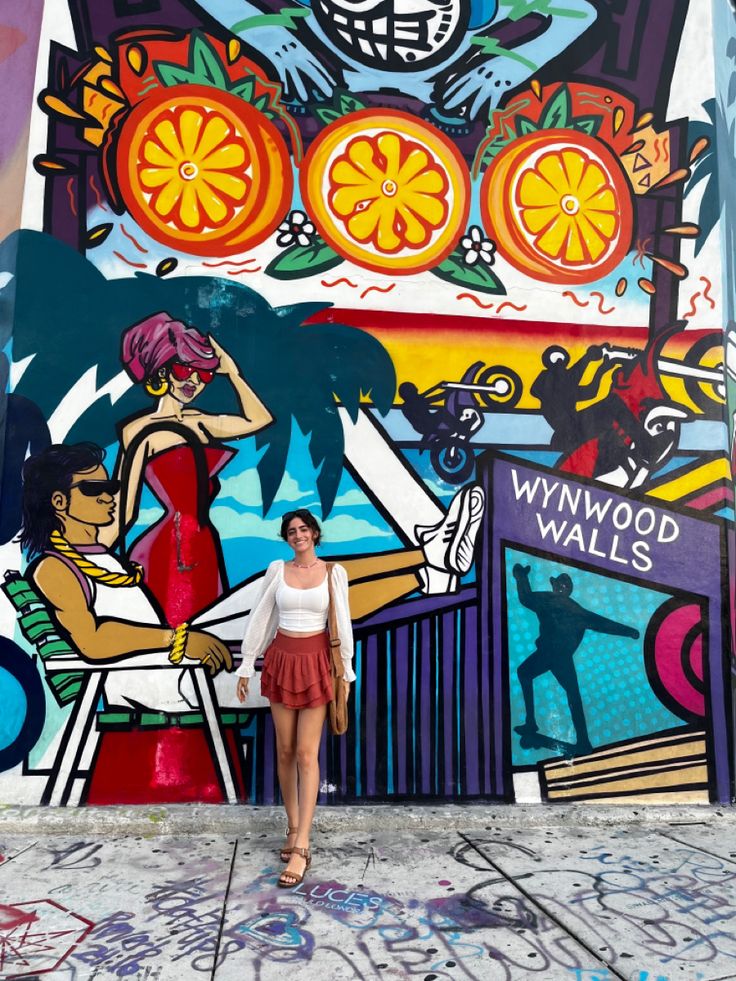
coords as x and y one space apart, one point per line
237 272
72 203
575 300
693 309
136 265
656 150
337 283
106 110
130 237
469 296
508 303
227 262
706 291
377 289
97 193
600 303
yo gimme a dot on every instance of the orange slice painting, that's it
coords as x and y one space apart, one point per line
203 171
386 190
559 207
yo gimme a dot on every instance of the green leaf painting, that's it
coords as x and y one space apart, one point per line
206 63
169 74
342 104
326 114
588 124
477 277
245 88
524 126
348 103
558 111
204 67
303 260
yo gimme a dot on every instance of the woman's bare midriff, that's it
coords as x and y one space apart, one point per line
296 633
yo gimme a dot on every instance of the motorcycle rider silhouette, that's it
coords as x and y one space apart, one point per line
444 432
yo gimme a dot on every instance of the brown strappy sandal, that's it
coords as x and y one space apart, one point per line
286 851
298 878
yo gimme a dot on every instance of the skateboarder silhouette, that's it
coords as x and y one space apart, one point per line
562 625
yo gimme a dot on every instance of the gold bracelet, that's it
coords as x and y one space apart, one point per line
179 643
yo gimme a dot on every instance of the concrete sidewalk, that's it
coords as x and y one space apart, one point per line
454 891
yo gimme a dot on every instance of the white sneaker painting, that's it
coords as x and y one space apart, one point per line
450 544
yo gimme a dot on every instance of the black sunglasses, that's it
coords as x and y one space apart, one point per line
93 488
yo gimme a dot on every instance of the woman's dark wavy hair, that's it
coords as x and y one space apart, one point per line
309 520
44 473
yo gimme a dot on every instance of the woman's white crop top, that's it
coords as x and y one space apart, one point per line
263 619
302 609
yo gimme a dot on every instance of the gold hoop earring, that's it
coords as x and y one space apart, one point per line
156 392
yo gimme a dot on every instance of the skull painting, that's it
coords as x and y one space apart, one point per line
394 34
443 53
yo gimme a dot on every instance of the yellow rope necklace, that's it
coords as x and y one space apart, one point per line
100 575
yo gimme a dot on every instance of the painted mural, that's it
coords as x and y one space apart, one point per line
447 272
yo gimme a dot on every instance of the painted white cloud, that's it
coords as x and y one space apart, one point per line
441 490
236 524
342 528
351 497
289 490
245 488
147 516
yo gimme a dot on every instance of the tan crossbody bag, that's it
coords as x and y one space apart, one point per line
337 710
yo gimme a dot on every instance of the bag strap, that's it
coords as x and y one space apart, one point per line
332 625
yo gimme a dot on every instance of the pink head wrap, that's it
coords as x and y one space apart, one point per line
159 339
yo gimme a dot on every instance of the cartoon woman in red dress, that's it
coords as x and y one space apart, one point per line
177 451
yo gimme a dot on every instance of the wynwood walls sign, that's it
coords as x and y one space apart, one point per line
541 519
581 521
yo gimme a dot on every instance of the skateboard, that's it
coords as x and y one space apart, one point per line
538 740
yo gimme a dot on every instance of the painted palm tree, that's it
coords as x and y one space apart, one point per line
69 319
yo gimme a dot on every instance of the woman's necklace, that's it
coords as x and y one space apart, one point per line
310 566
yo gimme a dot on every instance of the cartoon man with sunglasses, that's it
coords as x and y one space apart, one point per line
102 606
100 603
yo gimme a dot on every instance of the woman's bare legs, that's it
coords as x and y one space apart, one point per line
308 734
285 724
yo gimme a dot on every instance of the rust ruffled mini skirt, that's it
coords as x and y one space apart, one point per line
296 671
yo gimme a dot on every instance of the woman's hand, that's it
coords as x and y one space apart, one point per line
227 364
241 689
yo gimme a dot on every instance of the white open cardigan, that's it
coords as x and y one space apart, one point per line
264 619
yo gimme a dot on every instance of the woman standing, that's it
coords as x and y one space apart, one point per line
296 672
